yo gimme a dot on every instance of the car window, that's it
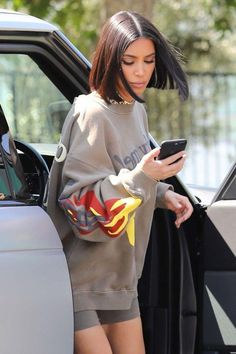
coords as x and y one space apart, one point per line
227 190
11 172
12 180
34 107
4 186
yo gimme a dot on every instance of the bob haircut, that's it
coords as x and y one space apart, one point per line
118 33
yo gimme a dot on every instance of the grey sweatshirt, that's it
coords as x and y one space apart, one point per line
101 201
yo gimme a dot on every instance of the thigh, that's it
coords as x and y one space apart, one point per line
126 336
90 337
92 340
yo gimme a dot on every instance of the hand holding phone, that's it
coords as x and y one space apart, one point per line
151 165
171 147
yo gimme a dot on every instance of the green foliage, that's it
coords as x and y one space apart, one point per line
78 19
38 8
203 29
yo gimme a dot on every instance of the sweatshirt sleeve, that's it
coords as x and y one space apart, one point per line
100 203
162 188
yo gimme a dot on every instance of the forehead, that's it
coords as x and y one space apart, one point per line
144 46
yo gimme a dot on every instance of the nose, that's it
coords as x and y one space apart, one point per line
139 69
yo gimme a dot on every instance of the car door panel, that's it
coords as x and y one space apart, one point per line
219 275
28 221
222 214
35 298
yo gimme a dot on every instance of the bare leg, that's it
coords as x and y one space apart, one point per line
92 340
126 337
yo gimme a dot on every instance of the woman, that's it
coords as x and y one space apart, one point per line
107 182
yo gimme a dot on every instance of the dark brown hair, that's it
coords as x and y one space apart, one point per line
118 33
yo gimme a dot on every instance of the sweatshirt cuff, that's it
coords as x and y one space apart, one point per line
138 184
162 188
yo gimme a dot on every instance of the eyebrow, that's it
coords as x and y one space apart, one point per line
133 56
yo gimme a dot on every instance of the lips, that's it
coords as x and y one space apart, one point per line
138 84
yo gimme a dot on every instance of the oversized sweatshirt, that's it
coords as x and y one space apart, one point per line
101 201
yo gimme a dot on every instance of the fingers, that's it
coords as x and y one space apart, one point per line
181 217
184 212
170 166
170 170
180 205
171 159
153 154
161 169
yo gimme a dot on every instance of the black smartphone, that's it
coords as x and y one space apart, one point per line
171 147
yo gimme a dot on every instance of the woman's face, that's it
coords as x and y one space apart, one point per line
137 63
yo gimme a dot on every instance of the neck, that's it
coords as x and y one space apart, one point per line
125 98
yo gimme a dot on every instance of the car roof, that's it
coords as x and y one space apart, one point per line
12 21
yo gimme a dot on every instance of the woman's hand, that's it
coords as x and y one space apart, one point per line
162 169
180 205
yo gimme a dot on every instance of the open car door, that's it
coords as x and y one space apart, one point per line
217 305
167 288
36 300
187 291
